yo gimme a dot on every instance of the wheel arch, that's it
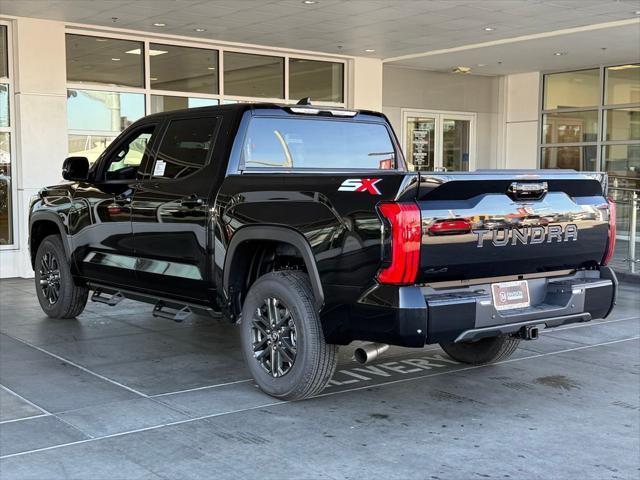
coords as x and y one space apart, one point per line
41 225
234 264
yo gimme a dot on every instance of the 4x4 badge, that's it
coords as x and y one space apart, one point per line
360 185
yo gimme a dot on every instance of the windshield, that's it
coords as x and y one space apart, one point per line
317 143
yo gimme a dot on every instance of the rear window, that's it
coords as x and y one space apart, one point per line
317 143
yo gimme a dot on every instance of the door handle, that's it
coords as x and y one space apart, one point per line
192 201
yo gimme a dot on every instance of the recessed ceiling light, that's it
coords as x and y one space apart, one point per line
115 59
309 2
489 29
370 50
159 24
102 40
481 65
637 12
560 54
153 79
211 68
461 69
199 29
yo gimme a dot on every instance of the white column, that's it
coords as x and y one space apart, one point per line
40 123
365 84
522 93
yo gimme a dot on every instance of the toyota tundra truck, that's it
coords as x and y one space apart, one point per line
305 226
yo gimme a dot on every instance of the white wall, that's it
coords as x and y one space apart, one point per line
420 89
522 92
365 85
40 122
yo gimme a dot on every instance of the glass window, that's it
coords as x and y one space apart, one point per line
570 127
247 75
322 81
4 105
183 69
4 54
6 213
185 147
622 124
455 144
576 158
125 163
421 143
103 111
104 61
165 103
572 89
90 146
622 161
622 84
313 143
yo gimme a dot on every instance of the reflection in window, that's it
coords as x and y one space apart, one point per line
166 103
248 75
90 146
4 54
572 89
6 214
183 69
103 111
570 127
296 143
576 158
622 160
322 81
622 84
4 105
101 60
185 147
623 124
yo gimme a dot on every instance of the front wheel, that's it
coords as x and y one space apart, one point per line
58 295
486 350
282 339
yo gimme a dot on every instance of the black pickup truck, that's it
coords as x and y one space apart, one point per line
304 225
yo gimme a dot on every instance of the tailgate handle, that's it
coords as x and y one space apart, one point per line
527 190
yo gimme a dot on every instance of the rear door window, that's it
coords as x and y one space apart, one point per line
185 147
302 143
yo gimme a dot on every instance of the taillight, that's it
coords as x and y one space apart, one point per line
406 230
611 244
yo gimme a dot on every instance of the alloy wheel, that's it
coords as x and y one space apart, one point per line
49 275
273 337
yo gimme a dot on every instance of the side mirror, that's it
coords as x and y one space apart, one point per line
75 168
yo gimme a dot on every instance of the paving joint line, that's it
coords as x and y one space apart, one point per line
402 380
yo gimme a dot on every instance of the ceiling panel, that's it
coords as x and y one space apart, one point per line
391 27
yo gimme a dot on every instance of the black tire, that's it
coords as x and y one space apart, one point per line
58 295
486 350
313 360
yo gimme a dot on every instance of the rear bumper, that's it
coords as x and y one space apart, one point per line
415 316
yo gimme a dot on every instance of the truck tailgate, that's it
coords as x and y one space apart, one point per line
488 224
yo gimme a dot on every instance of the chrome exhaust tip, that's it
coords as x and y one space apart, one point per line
369 352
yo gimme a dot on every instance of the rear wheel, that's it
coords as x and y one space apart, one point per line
486 350
282 339
58 295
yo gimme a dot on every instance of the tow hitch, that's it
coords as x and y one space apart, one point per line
528 333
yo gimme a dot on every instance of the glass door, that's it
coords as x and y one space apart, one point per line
439 141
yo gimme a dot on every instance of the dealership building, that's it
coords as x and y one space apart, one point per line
466 85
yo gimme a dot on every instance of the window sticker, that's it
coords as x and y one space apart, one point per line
158 169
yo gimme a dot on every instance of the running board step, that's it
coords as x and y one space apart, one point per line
161 310
111 300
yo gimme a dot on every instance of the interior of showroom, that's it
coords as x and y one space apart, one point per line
467 85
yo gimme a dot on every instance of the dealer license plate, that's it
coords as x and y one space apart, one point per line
508 295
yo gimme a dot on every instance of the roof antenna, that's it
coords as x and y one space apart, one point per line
304 101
